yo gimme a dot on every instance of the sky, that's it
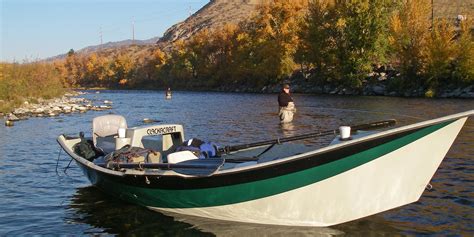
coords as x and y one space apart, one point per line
38 29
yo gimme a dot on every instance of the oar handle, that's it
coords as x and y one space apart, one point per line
366 126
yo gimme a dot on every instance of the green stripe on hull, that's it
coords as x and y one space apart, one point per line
192 198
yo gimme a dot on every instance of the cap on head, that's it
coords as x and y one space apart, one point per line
286 86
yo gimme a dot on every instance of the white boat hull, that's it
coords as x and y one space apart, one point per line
392 180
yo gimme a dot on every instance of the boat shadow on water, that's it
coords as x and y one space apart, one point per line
107 215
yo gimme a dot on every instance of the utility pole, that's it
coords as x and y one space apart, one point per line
100 35
133 29
190 10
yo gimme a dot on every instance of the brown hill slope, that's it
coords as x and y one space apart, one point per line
213 15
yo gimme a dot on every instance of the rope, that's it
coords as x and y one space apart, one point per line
67 167
57 162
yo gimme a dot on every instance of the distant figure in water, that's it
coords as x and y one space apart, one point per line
168 93
287 105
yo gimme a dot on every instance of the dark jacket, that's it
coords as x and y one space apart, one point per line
284 99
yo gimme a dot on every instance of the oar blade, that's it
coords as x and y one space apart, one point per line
207 167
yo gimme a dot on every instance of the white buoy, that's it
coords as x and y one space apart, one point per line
345 132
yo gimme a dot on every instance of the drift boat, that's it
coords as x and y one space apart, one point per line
270 182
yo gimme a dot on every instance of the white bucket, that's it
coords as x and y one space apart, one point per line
345 132
121 132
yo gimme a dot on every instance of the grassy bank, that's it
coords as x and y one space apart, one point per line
27 82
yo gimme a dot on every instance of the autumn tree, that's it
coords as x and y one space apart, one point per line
342 39
70 69
273 32
149 69
123 67
316 37
409 39
178 66
224 46
98 70
464 62
441 52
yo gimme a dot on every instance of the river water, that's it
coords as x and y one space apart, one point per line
40 197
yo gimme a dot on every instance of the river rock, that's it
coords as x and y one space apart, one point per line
38 111
20 111
379 89
12 117
392 93
333 92
456 93
467 95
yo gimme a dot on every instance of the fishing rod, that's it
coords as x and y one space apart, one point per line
367 126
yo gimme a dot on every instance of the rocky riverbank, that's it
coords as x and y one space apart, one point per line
69 103
376 84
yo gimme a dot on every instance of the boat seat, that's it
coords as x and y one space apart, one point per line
104 128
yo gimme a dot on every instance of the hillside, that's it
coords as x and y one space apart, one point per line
213 15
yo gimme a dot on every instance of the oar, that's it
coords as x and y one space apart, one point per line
367 126
212 163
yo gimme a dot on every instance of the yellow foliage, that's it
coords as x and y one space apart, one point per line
410 35
20 82
123 81
159 57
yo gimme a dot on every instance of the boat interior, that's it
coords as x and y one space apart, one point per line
110 134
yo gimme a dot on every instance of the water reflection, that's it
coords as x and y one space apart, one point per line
108 215
288 129
105 214
224 228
